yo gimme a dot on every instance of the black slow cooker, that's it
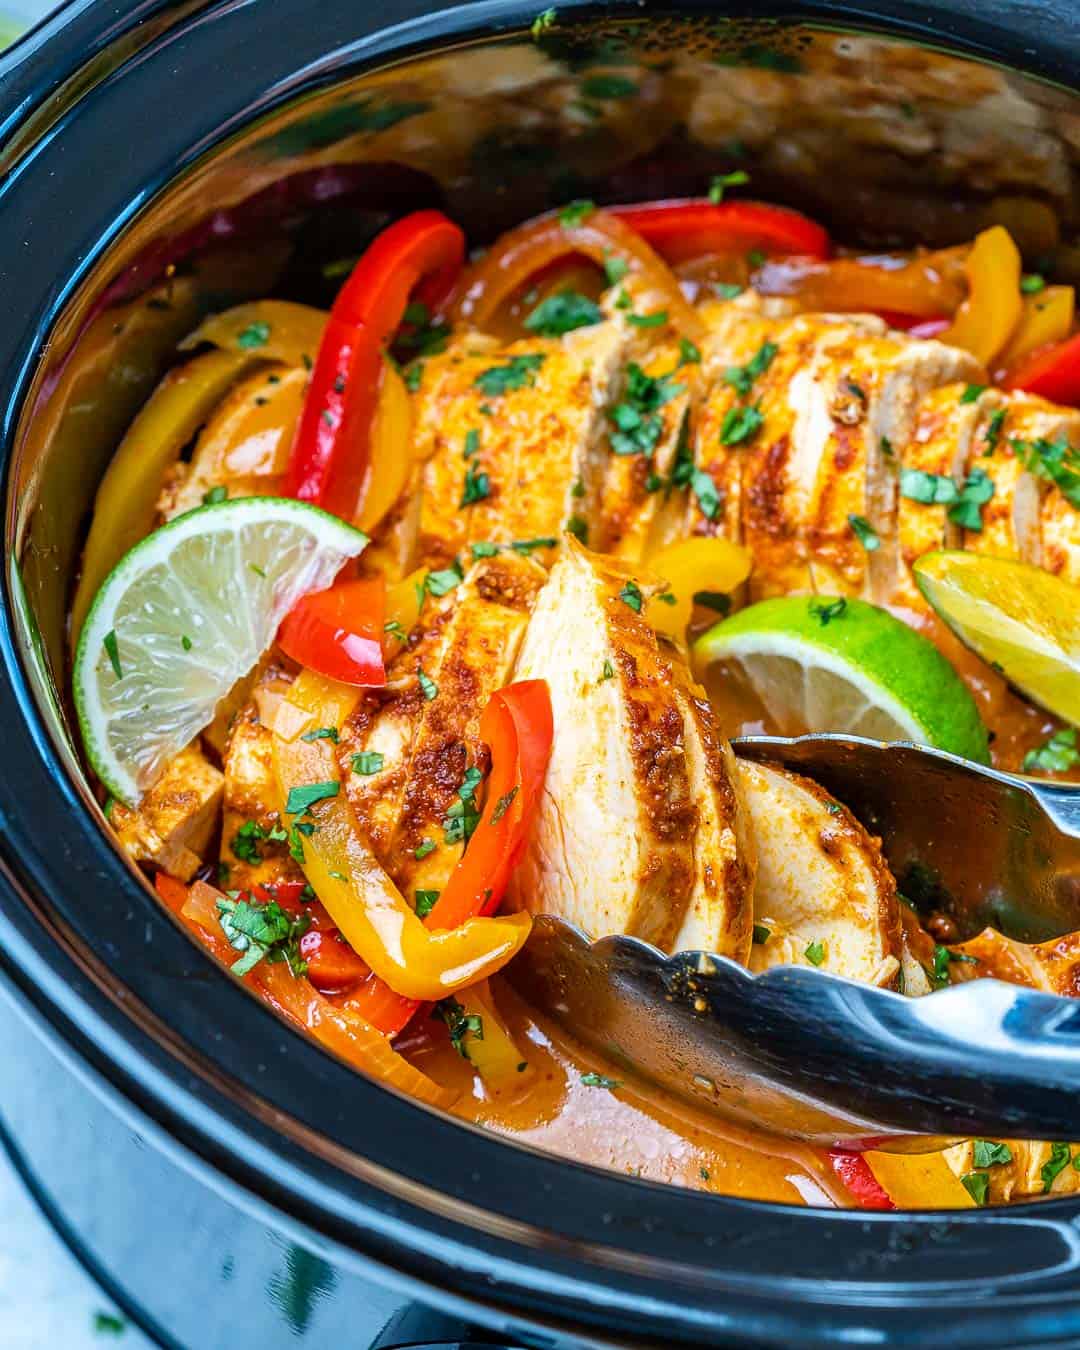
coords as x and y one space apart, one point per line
226 1180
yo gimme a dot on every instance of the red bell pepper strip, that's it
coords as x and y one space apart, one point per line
916 324
339 632
688 227
1053 373
854 1171
331 453
332 965
517 725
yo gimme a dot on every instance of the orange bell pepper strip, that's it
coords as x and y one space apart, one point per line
919 1180
1047 319
339 1029
276 330
517 725
126 501
391 450
987 319
359 896
692 565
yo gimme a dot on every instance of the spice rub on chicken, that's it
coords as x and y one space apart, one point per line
613 845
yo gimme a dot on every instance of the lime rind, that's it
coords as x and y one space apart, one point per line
193 606
894 682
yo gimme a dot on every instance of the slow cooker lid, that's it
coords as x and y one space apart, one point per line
175 90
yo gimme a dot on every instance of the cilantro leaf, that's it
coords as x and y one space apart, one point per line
562 313
740 424
425 902
631 595
742 378
1056 755
574 213
929 488
966 511
977 1185
990 1154
722 181
301 799
459 1024
815 952
865 533
1060 1156
600 1080
367 762
518 373
827 610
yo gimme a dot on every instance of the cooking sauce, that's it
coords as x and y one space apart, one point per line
632 1127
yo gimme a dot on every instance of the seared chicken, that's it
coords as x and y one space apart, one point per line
176 819
824 895
514 440
612 847
409 756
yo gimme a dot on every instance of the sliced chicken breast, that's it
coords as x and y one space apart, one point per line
410 758
612 849
176 819
720 913
514 440
823 892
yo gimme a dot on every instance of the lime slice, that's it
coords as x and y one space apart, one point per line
186 613
823 664
1018 618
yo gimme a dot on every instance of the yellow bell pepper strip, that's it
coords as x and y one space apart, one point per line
488 1044
918 1180
1047 318
276 330
391 450
337 1028
987 319
403 601
125 501
373 916
690 566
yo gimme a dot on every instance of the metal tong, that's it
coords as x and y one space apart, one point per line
812 1056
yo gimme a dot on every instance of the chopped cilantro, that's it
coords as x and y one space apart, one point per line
1060 1156
579 528
689 353
608 672
600 1080
459 1024
756 258
574 213
428 687
667 598
531 545
1032 284
185 642
443 581
413 375
296 843
987 1153
483 549
966 511
761 934
425 847
462 817
971 392
472 443
425 902
608 87
740 424
112 650
257 570
631 595
1056 461
864 532
815 952
477 488
653 320
615 268
1056 755
367 762
395 630
827 610
717 601
542 22
108 1324
929 488
742 378
578 490
993 431
254 335
262 932
977 1185
856 390
518 372
423 336
301 799
722 181
886 448
728 290
215 495
321 734
707 494
562 313
636 417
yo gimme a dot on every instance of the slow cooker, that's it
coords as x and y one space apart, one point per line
227 1181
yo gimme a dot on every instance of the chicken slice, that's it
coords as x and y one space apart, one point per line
514 440
245 445
405 759
175 821
720 913
612 846
1048 428
823 891
1031 1169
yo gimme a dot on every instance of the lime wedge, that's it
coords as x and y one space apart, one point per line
182 616
1018 618
825 664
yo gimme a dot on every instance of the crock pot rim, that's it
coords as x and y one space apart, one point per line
18 700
